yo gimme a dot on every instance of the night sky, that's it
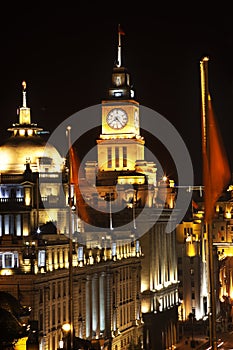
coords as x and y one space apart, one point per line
66 55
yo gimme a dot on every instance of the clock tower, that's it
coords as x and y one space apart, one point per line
120 144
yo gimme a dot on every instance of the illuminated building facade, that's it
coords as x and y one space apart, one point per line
125 287
122 171
193 259
34 251
192 271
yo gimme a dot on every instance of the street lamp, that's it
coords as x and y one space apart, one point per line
65 342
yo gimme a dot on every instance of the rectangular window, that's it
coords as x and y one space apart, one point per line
64 312
9 260
137 247
40 320
59 289
80 254
54 291
64 288
124 157
109 150
41 296
41 258
117 161
12 224
53 315
58 314
18 225
6 224
113 249
49 321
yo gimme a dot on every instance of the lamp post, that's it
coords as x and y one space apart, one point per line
64 343
109 197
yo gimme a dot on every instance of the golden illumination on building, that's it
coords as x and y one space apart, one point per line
7 272
191 247
30 132
66 327
22 132
228 215
130 180
21 344
27 196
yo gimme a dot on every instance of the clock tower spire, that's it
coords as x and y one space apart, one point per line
120 32
121 87
120 146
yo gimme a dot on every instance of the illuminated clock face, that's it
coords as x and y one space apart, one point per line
117 118
136 119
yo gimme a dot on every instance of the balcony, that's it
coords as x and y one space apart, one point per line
13 203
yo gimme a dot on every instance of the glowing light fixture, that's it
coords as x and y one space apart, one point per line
66 327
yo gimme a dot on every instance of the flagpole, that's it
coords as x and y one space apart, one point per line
208 223
71 316
119 47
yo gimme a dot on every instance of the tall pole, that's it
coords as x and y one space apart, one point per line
119 47
134 205
71 316
110 211
208 225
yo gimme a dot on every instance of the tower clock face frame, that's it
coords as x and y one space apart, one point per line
117 118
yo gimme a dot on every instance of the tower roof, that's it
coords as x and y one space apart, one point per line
26 145
24 123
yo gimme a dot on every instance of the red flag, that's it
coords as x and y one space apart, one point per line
74 180
120 30
216 170
194 204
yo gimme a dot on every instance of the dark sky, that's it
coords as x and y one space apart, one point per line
66 55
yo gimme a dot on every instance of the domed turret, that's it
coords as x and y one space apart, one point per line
25 145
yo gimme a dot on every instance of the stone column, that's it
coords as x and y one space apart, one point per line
95 305
108 319
102 302
88 307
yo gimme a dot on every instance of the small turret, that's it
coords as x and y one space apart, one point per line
24 113
24 127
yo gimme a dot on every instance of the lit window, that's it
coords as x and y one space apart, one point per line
137 247
117 94
109 157
117 157
9 260
41 258
80 253
22 132
124 156
113 249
